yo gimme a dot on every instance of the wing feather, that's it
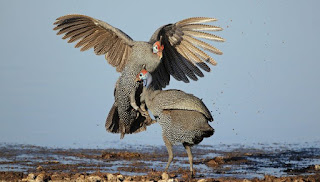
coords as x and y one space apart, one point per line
94 33
201 27
79 34
76 32
194 58
90 43
195 20
203 45
176 58
203 35
183 52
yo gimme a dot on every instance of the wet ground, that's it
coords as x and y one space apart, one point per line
213 163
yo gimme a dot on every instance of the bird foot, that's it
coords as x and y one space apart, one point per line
143 113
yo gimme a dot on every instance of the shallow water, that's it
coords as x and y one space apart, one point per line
238 160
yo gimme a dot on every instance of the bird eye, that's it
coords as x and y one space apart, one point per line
155 48
141 74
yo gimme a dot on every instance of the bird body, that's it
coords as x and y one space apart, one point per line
125 92
159 100
182 116
172 50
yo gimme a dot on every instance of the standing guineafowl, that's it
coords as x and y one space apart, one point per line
183 117
172 50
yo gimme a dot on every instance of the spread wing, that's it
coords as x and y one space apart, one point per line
184 53
93 33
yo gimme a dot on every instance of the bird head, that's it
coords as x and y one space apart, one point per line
157 48
144 76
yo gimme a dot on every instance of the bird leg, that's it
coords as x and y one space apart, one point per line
135 106
169 148
143 110
188 149
143 106
133 101
143 113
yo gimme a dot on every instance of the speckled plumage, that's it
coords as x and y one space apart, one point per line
184 126
127 86
183 117
182 58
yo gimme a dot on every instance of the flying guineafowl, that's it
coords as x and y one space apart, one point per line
182 117
173 49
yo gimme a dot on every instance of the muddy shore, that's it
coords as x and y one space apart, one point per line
33 163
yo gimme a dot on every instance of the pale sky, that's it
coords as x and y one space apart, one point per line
264 89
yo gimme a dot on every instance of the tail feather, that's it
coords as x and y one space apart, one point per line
205 134
112 121
115 125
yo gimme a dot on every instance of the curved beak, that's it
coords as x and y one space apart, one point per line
137 79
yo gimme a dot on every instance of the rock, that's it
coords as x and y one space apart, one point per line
31 176
40 177
56 177
245 180
39 168
212 163
81 178
110 177
170 180
219 159
165 176
202 180
129 178
317 167
120 178
298 180
268 178
94 178
173 180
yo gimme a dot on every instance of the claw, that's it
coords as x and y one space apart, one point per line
143 113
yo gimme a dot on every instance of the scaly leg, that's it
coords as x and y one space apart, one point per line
188 149
169 148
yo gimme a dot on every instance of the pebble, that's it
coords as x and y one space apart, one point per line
202 180
40 177
31 176
173 180
246 180
120 178
39 168
81 178
55 177
129 178
110 177
165 176
94 178
298 180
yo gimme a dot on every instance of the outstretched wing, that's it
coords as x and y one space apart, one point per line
183 52
104 38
